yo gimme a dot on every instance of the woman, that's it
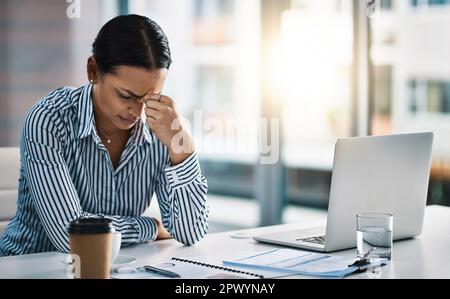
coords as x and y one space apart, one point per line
105 148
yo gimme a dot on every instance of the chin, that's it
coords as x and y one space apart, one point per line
124 125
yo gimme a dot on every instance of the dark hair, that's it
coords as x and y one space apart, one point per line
131 40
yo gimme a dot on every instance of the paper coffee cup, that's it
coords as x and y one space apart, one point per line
90 247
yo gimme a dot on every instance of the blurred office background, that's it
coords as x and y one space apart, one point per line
323 67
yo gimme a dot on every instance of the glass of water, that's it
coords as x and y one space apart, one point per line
374 235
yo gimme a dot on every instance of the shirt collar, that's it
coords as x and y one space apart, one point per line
141 131
85 112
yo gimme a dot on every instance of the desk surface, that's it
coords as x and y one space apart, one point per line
427 256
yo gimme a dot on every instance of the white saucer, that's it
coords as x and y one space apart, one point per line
120 261
123 260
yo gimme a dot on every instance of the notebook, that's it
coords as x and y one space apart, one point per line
190 268
292 261
196 268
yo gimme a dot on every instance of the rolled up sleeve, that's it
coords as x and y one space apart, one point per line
182 196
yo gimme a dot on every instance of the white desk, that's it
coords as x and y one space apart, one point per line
427 256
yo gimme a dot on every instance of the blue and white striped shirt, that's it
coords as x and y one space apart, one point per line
66 173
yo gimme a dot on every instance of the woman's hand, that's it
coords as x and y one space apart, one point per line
167 125
162 232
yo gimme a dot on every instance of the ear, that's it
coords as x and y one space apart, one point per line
92 70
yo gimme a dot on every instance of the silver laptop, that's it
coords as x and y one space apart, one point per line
370 174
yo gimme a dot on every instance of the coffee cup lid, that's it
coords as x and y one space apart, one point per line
91 226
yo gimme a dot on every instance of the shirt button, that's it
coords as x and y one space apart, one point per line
175 177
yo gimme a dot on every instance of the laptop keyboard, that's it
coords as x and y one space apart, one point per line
317 240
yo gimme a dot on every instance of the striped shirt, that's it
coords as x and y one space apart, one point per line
66 173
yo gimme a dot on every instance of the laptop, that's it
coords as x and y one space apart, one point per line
386 174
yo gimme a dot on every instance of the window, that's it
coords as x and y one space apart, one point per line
410 74
317 43
429 97
411 79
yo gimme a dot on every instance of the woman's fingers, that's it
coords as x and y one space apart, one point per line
153 113
160 111
158 101
155 97
152 104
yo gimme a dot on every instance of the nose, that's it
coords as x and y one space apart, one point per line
135 109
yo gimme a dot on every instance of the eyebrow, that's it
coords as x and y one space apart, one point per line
131 93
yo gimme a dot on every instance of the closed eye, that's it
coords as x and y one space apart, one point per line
123 96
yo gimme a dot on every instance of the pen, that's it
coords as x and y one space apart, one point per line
161 271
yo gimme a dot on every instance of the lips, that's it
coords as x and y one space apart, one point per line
128 121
